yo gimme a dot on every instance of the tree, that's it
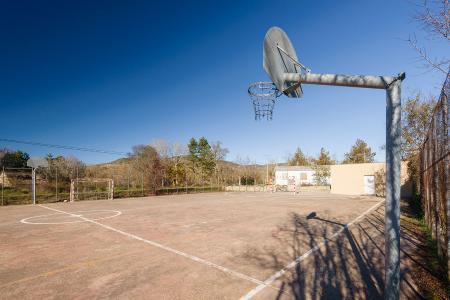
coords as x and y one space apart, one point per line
321 167
16 159
324 158
359 153
148 164
193 155
219 154
206 157
434 16
416 116
172 156
67 168
175 173
322 174
163 147
299 159
218 151
201 157
178 169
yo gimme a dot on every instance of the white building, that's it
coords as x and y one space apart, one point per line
294 175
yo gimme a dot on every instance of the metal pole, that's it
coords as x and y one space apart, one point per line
33 184
392 213
77 182
56 184
3 182
393 159
128 183
373 82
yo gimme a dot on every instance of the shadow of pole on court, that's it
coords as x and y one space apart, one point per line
350 266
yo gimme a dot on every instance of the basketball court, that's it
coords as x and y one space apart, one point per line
197 246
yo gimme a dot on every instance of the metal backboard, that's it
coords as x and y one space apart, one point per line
279 57
36 162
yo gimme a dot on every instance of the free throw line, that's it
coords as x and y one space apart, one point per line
292 264
155 244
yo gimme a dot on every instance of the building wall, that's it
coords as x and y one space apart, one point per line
348 179
294 175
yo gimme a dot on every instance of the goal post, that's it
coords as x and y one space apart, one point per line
91 189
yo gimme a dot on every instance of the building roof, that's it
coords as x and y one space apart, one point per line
293 168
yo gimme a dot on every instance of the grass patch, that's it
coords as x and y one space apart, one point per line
435 262
434 284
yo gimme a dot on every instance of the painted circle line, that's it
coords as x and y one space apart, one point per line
75 214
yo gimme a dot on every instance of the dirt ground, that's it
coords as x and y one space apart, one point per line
198 246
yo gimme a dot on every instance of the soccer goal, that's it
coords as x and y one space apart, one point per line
91 189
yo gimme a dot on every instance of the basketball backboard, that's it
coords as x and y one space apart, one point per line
279 57
35 162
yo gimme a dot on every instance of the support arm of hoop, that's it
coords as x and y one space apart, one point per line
374 82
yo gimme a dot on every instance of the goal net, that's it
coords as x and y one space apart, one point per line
91 189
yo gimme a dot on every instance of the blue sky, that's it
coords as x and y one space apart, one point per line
113 74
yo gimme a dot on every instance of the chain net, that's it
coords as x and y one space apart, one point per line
263 96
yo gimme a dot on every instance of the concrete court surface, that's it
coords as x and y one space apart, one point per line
196 246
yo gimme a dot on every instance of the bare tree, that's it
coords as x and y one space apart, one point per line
67 168
148 164
219 154
434 16
178 168
163 147
218 151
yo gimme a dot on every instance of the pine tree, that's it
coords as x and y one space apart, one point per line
359 153
299 159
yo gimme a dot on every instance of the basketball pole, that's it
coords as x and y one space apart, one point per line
392 85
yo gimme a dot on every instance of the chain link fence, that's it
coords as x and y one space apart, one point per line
52 186
435 176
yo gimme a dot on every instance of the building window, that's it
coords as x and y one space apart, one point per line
303 176
284 175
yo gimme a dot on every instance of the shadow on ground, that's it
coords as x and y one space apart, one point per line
349 266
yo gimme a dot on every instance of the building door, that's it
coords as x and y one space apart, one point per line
369 185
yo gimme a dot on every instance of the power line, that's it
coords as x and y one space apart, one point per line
112 152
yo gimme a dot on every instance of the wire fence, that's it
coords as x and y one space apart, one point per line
435 176
16 186
54 184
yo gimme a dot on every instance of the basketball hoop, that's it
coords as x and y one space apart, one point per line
263 95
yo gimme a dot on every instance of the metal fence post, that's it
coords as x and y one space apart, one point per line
447 171
128 182
392 214
3 182
56 182
33 184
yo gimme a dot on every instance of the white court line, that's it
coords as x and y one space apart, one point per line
292 264
155 244
27 220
